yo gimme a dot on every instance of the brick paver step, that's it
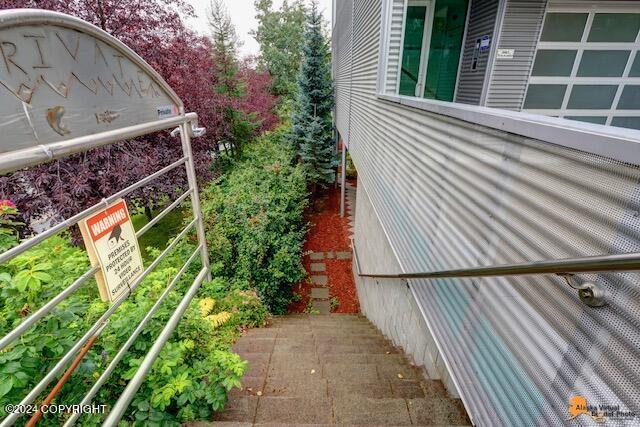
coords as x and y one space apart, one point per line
294 410
348 349
318 266
240 409
354 409
362 358
291 388
338 388
316 255
320 293
254 345
320 280
438 411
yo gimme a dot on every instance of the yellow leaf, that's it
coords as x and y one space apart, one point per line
206 305
218 319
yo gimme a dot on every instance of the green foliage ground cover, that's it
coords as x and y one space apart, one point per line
194 371
254 220
255 229
159 235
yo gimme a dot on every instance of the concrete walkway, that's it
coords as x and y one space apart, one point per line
333 369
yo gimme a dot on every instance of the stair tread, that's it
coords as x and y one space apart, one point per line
332 369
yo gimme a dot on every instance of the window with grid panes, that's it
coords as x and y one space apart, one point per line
587 66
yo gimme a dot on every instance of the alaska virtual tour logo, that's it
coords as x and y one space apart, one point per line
601 412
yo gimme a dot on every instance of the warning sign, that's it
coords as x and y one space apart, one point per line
111 243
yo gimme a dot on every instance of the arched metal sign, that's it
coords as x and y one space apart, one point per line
67 87
62 78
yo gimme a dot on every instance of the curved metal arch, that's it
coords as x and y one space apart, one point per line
63 80
18 17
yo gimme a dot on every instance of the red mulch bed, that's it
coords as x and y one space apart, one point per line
329 232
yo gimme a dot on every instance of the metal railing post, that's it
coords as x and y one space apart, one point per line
195 198
343 178
130 390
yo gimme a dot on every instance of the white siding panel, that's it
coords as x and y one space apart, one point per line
453 194
395 48
520 31
482 17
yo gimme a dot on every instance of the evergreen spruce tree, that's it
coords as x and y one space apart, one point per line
311 120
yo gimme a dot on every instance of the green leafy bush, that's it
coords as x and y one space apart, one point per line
254 221
189 380
255 231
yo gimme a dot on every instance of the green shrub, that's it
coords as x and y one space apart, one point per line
188 381
254 221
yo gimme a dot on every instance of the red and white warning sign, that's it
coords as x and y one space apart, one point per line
112 244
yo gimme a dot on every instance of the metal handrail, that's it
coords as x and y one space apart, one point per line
589 292
60 150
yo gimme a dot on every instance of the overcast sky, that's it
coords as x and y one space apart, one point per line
243 16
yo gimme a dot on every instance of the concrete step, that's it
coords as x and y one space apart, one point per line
354 409
294 410
320 293
332 369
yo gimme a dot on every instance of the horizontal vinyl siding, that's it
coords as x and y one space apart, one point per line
395 40
342 65
482 17
452 194
520 31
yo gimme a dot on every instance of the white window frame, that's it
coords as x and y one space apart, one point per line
572 80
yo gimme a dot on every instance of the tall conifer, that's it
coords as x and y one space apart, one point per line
311 119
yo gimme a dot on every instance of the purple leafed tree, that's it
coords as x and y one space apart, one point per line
155 30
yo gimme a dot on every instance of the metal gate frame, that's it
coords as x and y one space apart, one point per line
13 160
185 125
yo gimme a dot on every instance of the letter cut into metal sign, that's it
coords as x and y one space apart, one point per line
111 242
61 78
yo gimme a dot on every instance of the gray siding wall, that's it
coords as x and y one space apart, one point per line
389 304
395 46
482 19
521 28
453 194
341 41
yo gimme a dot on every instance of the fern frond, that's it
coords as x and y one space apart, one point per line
206 305
219 319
